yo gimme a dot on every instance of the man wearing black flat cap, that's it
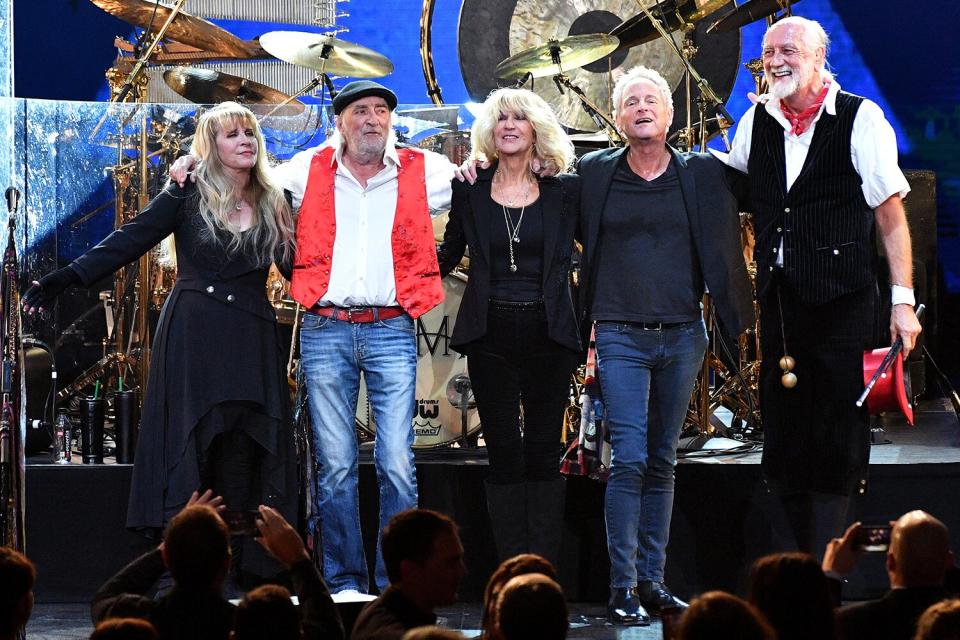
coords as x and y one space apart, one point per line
365 269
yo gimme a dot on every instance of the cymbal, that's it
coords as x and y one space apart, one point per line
574 52
185 28
206 86
343 58
513 27
639 30
749 11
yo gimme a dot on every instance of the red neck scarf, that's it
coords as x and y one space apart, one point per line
801 121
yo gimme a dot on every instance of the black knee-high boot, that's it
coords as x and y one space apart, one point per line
507 506
545 508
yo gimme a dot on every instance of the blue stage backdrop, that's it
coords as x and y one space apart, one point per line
898 54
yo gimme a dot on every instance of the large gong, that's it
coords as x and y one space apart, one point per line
493 30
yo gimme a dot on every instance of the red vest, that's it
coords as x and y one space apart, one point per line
415 269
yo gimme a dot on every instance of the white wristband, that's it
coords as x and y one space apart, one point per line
901 295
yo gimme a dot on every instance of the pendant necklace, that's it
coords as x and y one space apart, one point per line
513 230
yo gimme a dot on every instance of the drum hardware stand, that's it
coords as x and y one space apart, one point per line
318 80
460 395
135 81
706 91
596 114
127 346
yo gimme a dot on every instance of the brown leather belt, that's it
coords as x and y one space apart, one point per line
358 314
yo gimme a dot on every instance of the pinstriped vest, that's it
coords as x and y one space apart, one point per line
825 223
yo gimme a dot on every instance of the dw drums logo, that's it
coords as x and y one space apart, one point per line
433 358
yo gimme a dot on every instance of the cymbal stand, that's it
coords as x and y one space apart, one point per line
705 89
320 79
599 117
134 79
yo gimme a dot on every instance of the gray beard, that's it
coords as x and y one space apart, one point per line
783 89
369 148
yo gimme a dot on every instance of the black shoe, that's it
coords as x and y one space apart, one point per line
656 597
624 608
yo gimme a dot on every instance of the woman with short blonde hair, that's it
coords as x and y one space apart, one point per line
517 324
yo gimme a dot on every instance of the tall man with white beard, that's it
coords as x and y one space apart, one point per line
823 176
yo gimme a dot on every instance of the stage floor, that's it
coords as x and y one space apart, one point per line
587 621
75 517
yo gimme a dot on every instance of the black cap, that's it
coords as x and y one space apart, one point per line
361 89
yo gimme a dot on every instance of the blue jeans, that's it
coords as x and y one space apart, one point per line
333 355
646 377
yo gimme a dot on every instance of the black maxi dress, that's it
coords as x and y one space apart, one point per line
216 346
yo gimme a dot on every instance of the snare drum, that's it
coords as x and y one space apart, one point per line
437 422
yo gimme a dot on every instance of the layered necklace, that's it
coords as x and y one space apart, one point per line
513 230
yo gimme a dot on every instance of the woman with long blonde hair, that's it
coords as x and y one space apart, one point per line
517 323
215 414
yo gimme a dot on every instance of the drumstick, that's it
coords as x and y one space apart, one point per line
886 362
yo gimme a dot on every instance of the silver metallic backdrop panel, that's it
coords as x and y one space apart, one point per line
305 12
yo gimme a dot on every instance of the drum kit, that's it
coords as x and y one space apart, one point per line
580 49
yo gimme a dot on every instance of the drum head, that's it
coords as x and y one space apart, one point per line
511 26
437 421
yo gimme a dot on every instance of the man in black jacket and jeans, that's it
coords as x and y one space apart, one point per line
658 227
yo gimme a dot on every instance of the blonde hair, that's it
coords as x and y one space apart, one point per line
272 226
551 142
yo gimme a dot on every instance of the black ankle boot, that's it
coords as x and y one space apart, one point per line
624 608
655 597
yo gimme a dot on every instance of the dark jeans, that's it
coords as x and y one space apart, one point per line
516 369
647 377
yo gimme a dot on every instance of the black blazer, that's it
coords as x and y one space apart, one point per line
560 197
714 227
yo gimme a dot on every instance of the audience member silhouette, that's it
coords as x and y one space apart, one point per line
511 567
532 606
196 551
917 563
717 615
17 575
124 629
266 612
941 621
794 595
424 561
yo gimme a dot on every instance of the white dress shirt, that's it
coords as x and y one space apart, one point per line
362 270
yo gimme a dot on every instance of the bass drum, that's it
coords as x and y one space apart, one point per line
436 422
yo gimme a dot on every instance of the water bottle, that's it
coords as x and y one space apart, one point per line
63 432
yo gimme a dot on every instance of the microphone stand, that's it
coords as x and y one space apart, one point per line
11 433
